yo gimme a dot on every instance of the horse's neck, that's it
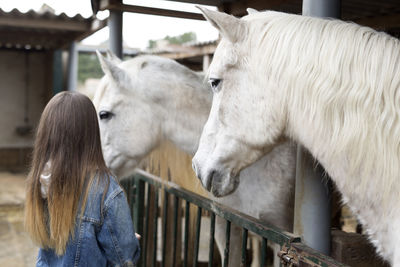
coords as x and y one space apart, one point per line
304 132
364 183
186 114
364 194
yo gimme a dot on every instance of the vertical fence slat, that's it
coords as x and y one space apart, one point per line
197 240
146 226
211 244
244 246
227 242
155 223
186 237
138 196
175 229
131 196
164 230
263 261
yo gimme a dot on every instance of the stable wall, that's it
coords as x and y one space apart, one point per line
26 82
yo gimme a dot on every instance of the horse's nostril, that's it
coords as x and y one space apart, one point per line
196 171
194 168
209 180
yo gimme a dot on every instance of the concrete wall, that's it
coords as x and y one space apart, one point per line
25 88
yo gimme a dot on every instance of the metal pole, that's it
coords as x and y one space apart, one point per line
312 197
72 67
206 62
322 8
115 36
57 72
312 203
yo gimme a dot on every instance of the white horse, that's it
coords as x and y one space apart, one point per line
148 99
329 85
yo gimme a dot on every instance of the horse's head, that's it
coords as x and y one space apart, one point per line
245 119
144 100
129 126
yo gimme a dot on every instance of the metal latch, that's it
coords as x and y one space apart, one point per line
288 259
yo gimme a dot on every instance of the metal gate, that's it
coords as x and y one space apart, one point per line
144 192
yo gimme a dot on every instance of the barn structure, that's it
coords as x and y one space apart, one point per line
31 64
34 57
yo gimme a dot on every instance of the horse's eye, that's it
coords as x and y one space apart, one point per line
105 115
214 83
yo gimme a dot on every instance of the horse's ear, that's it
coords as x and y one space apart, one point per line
112 57
251 11
230 27
117 75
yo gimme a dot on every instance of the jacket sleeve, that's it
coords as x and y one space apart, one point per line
117 234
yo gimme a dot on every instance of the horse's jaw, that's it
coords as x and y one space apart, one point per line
121 165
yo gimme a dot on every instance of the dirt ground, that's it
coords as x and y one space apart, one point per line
16 249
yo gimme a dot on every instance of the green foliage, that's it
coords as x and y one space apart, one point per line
152 44
180 39
88 67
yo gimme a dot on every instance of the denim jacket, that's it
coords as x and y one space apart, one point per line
104 237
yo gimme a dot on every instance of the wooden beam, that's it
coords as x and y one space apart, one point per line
195 66
95 26
238 8
154 11
103 4
380 22
189 53
45 24
200 2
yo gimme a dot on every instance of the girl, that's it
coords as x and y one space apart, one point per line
75 210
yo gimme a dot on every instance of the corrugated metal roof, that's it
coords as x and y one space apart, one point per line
43 29
40 14
351 9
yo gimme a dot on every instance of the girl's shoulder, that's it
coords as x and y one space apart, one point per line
103 189
113 190
105 183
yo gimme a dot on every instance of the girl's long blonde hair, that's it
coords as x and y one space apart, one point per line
68 136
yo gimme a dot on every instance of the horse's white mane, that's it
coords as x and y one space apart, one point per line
346 78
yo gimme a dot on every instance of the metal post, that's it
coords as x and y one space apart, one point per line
312 200
72 67
115 36
206 62
312 204
322 8
57 72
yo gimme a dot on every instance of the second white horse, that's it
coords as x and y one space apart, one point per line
148 99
